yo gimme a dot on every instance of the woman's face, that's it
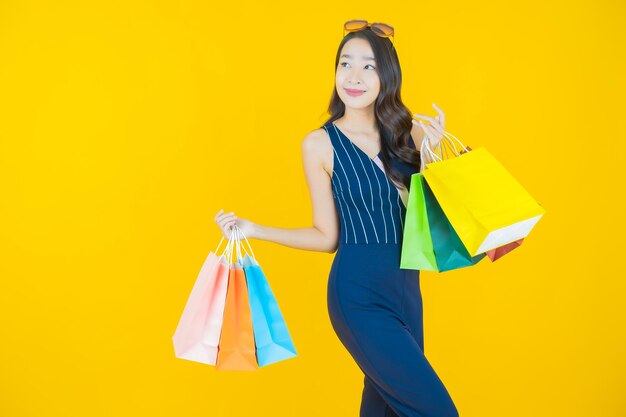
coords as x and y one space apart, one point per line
357 71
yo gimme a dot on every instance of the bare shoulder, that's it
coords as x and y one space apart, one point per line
316 147
316 141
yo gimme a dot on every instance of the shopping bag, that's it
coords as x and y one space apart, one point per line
197 335
450 253
417 251
429 241
272 339
237 351
499 252
485 204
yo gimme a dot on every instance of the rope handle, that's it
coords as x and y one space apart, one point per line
446 141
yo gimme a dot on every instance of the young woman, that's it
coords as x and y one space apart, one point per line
358 167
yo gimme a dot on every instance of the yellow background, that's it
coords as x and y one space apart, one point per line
125 126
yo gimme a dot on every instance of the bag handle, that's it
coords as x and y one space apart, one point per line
238 247
232 242
220 244
426 152
449 135
446 140
251 253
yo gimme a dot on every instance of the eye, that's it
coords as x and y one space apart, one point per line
368 65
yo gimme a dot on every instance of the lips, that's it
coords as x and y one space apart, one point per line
354 92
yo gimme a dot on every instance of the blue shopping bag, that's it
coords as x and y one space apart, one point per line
272 339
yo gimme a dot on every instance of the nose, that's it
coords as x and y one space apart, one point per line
354 80
354 77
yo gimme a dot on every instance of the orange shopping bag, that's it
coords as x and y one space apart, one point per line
237 350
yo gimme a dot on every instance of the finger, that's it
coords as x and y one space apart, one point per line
223 216
442 116
438 119
435 135
433 121
224 222
427 132
423 116
437 109
218 213
437 125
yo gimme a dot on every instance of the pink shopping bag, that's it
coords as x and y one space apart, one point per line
198 332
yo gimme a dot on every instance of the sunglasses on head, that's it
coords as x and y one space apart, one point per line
381 29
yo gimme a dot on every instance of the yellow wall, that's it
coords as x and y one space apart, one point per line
125 126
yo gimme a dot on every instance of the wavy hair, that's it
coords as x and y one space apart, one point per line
392 116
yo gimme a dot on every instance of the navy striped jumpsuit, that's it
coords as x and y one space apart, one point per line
374 306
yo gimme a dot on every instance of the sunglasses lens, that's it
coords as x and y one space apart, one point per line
382 29
355 25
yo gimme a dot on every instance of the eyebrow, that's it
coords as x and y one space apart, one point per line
369 58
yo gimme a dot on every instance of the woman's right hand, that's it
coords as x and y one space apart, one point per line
226 221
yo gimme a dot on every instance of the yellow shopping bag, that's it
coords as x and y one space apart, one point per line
485 204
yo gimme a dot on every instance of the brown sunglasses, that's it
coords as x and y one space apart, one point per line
381 29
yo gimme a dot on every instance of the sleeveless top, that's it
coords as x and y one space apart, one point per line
369 205
403 192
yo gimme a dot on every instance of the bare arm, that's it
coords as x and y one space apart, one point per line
324 234
417 133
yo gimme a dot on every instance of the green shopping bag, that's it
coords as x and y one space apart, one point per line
429 240
417 244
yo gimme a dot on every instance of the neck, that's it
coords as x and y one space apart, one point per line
360 119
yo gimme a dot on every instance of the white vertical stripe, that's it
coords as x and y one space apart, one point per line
352 198
370 183
341 188
391 212
380 190
343 196
360 190
357 151
345 225
400 211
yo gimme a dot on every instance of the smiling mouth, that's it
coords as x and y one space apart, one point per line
354 93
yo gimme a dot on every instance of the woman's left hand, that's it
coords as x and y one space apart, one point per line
436 128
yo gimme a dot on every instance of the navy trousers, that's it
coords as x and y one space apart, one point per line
376 311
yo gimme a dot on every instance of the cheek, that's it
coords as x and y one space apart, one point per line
373 80
373 84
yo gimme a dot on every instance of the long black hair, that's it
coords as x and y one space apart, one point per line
392 116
